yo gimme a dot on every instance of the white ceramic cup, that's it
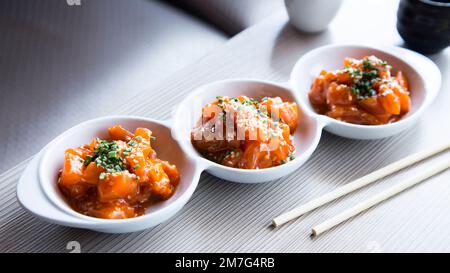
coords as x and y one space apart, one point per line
311 15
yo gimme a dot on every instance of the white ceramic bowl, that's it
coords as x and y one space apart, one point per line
166 147
423 75
37 189
306 137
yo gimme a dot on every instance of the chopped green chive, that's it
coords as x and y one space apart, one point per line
106 155
132 143
127 151
362 86
291 156
136 167
87 160
367 65
112 154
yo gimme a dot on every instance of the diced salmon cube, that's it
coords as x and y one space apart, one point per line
120 185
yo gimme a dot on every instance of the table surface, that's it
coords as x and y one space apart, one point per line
230 217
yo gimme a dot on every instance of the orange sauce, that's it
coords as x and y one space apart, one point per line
245 133
363 92
116 178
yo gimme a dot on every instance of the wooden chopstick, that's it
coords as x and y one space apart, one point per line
357 184
378 198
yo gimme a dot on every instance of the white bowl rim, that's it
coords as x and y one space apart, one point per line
45 186
429 94
201 164
205 163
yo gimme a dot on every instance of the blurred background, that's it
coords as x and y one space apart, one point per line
61 64
66 61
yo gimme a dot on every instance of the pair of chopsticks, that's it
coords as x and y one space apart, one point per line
364 181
